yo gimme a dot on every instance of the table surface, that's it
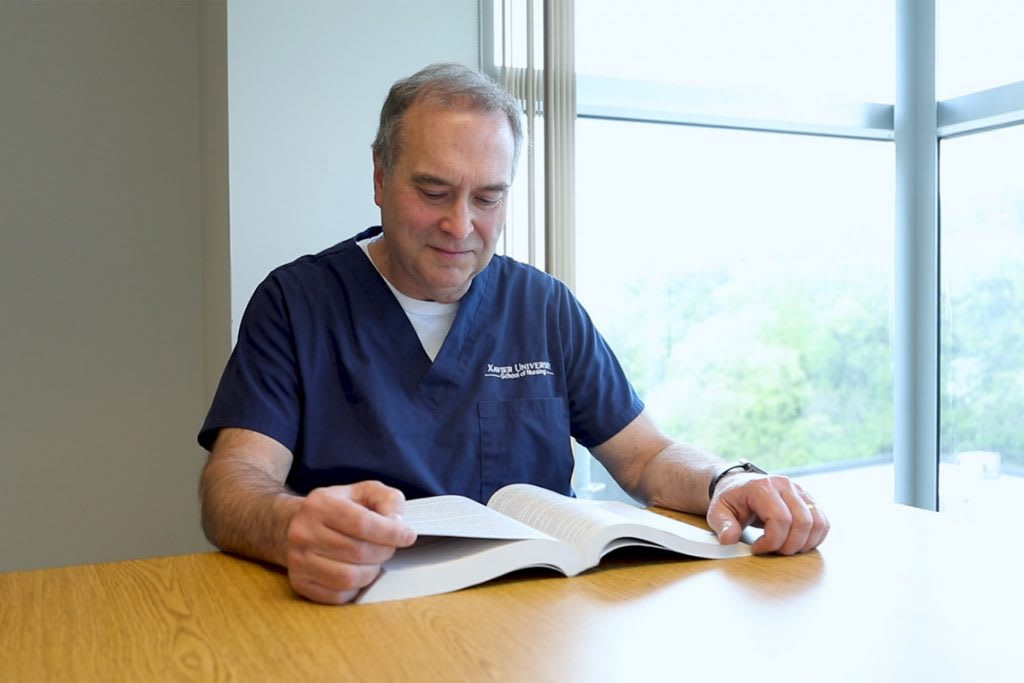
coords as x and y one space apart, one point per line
895 594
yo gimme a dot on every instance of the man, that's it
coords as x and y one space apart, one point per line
411 361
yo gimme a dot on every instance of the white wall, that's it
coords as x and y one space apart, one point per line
116 255
307 80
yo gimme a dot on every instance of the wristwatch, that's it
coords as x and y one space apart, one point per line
740 465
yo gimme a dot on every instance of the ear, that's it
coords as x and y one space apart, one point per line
378 181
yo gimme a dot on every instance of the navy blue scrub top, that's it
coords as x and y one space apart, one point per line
328 364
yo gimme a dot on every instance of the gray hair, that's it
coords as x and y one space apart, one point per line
450 85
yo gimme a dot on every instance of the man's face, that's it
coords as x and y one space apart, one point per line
442 204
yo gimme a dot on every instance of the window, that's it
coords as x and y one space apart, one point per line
980 64
744 241
744 280
838 50
978 45
982 351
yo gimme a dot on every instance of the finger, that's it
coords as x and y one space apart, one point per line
323 530
801 522
330 582
317 593
361 523
340 548
308 542
820 529
776 520
346 515
723 521
819 521
385 500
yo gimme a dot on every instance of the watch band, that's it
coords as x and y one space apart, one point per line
740 465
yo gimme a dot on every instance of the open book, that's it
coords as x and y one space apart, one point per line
462 543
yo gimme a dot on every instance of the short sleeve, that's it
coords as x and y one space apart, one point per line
259 389
602 402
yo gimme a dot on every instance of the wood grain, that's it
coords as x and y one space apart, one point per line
893 595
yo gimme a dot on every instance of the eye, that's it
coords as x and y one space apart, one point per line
488 201
432 195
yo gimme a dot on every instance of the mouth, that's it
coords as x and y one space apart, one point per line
451 253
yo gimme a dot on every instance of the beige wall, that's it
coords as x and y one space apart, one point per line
124 250
100 340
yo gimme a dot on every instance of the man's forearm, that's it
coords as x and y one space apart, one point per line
678 477
245 511
656 470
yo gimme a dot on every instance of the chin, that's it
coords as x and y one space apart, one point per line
450 278
450 292
447 291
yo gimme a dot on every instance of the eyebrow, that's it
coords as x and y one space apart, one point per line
428 179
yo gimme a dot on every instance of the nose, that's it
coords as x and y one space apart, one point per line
458 222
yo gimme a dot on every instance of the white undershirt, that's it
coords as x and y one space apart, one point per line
430 319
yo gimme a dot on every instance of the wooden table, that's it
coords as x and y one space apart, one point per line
895 594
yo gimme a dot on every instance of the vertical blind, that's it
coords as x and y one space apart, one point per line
548 96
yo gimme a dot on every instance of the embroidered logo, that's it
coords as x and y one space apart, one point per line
518 370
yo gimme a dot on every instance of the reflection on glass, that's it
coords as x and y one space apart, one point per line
982 333
843 50
977 45
745 281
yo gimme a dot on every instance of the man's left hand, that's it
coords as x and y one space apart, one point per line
792 522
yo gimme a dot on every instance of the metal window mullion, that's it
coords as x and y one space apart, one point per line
618 99
981 111
916 318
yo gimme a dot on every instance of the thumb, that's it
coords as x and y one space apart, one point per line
382 499
724 523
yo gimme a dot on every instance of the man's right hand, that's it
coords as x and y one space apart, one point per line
332 541
340 537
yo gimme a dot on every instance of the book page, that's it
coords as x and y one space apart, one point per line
595 528
669 525
567 519
463 517
656 521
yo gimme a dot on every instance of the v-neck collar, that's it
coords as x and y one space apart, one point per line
446 370
447 365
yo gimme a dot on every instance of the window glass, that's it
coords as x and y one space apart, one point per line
982 331
843 50
745 282
978 45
